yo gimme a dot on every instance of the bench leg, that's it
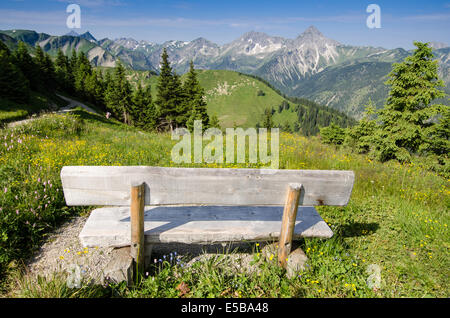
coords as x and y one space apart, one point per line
288 223
137 250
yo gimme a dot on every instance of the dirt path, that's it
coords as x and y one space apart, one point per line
62 249
72 104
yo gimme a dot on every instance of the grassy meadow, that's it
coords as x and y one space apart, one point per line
397 218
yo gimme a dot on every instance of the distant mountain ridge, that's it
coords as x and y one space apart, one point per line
311 65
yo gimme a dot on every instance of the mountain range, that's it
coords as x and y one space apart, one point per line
312 66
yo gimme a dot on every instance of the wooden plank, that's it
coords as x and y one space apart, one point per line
108 185
288 223
137 226
199 224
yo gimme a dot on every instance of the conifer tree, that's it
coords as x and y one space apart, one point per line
194 115
13 84
144 111
62 71
178 101
73 60
332 134
359 136
25 62
100 90
45 69
93 88
267 120
214 122
82 71
406 116
195 103
165 94
118 98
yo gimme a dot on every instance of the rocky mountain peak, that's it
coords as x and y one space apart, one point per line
72 33
312 31
88 36
253 35
313 35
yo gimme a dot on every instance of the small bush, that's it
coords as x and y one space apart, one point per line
332 134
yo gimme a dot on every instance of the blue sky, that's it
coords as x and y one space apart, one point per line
402 22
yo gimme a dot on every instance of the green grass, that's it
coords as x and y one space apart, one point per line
234 99
52 286
397 217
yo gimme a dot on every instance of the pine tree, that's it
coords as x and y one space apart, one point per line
438 136
194 116
41 68
332 134
25 62
100 90
93 88
178 100
196 105
73 60
168 88
13 84
214 122
62 71
82 71
359 136
144 111
267 120
49 71
406 116
118 98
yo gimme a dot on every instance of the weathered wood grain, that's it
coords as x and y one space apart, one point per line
137 225
288 222
110 186
199 224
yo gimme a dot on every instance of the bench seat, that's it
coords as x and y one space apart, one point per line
110 227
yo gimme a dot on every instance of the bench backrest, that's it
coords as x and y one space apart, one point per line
110 186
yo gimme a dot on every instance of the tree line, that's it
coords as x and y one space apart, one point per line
176 105
310 117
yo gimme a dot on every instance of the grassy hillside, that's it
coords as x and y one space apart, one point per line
397 217
234 99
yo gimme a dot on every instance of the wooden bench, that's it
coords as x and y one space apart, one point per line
151 205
